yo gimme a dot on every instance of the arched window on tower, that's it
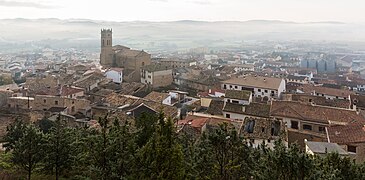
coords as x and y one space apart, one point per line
103 43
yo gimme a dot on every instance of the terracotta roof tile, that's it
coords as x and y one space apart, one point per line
157 96
312 113
352 133
325 90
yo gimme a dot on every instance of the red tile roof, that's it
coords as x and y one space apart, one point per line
325 90
66 91
353 133
312 113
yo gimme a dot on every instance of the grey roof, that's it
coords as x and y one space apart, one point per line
320 148
302 78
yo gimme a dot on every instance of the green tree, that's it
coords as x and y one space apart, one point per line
28 150
146 126
15 131
45 125
58 147
98 145
122 148
285 163
162 156
231 155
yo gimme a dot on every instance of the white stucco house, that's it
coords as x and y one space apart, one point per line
115 74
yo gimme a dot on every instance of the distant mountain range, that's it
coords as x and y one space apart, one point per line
176 34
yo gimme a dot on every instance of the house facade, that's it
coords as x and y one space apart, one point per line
115 74
269 87
156 75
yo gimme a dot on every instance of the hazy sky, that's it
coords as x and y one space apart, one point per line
170 10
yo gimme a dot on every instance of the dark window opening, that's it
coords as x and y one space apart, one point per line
307 127
249 126
351 149
56 102
224 86
294 124
228 116
266 91
234 102
275 128
321 129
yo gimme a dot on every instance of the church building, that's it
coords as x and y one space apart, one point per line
122 57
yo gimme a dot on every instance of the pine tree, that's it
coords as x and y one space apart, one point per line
15 131
58 149
122 148
28 150
161 157
146 126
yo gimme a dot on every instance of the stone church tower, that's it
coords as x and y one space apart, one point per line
107 52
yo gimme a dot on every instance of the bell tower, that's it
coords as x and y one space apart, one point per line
106 54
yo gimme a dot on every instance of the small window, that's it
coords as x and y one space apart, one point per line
224 86
321 129
230 86
272 92
234 101
259 90
235 87
266 91
294 125
228 116
249 126
307 127
351 149
44 101
56 102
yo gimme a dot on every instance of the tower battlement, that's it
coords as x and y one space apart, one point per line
106 30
